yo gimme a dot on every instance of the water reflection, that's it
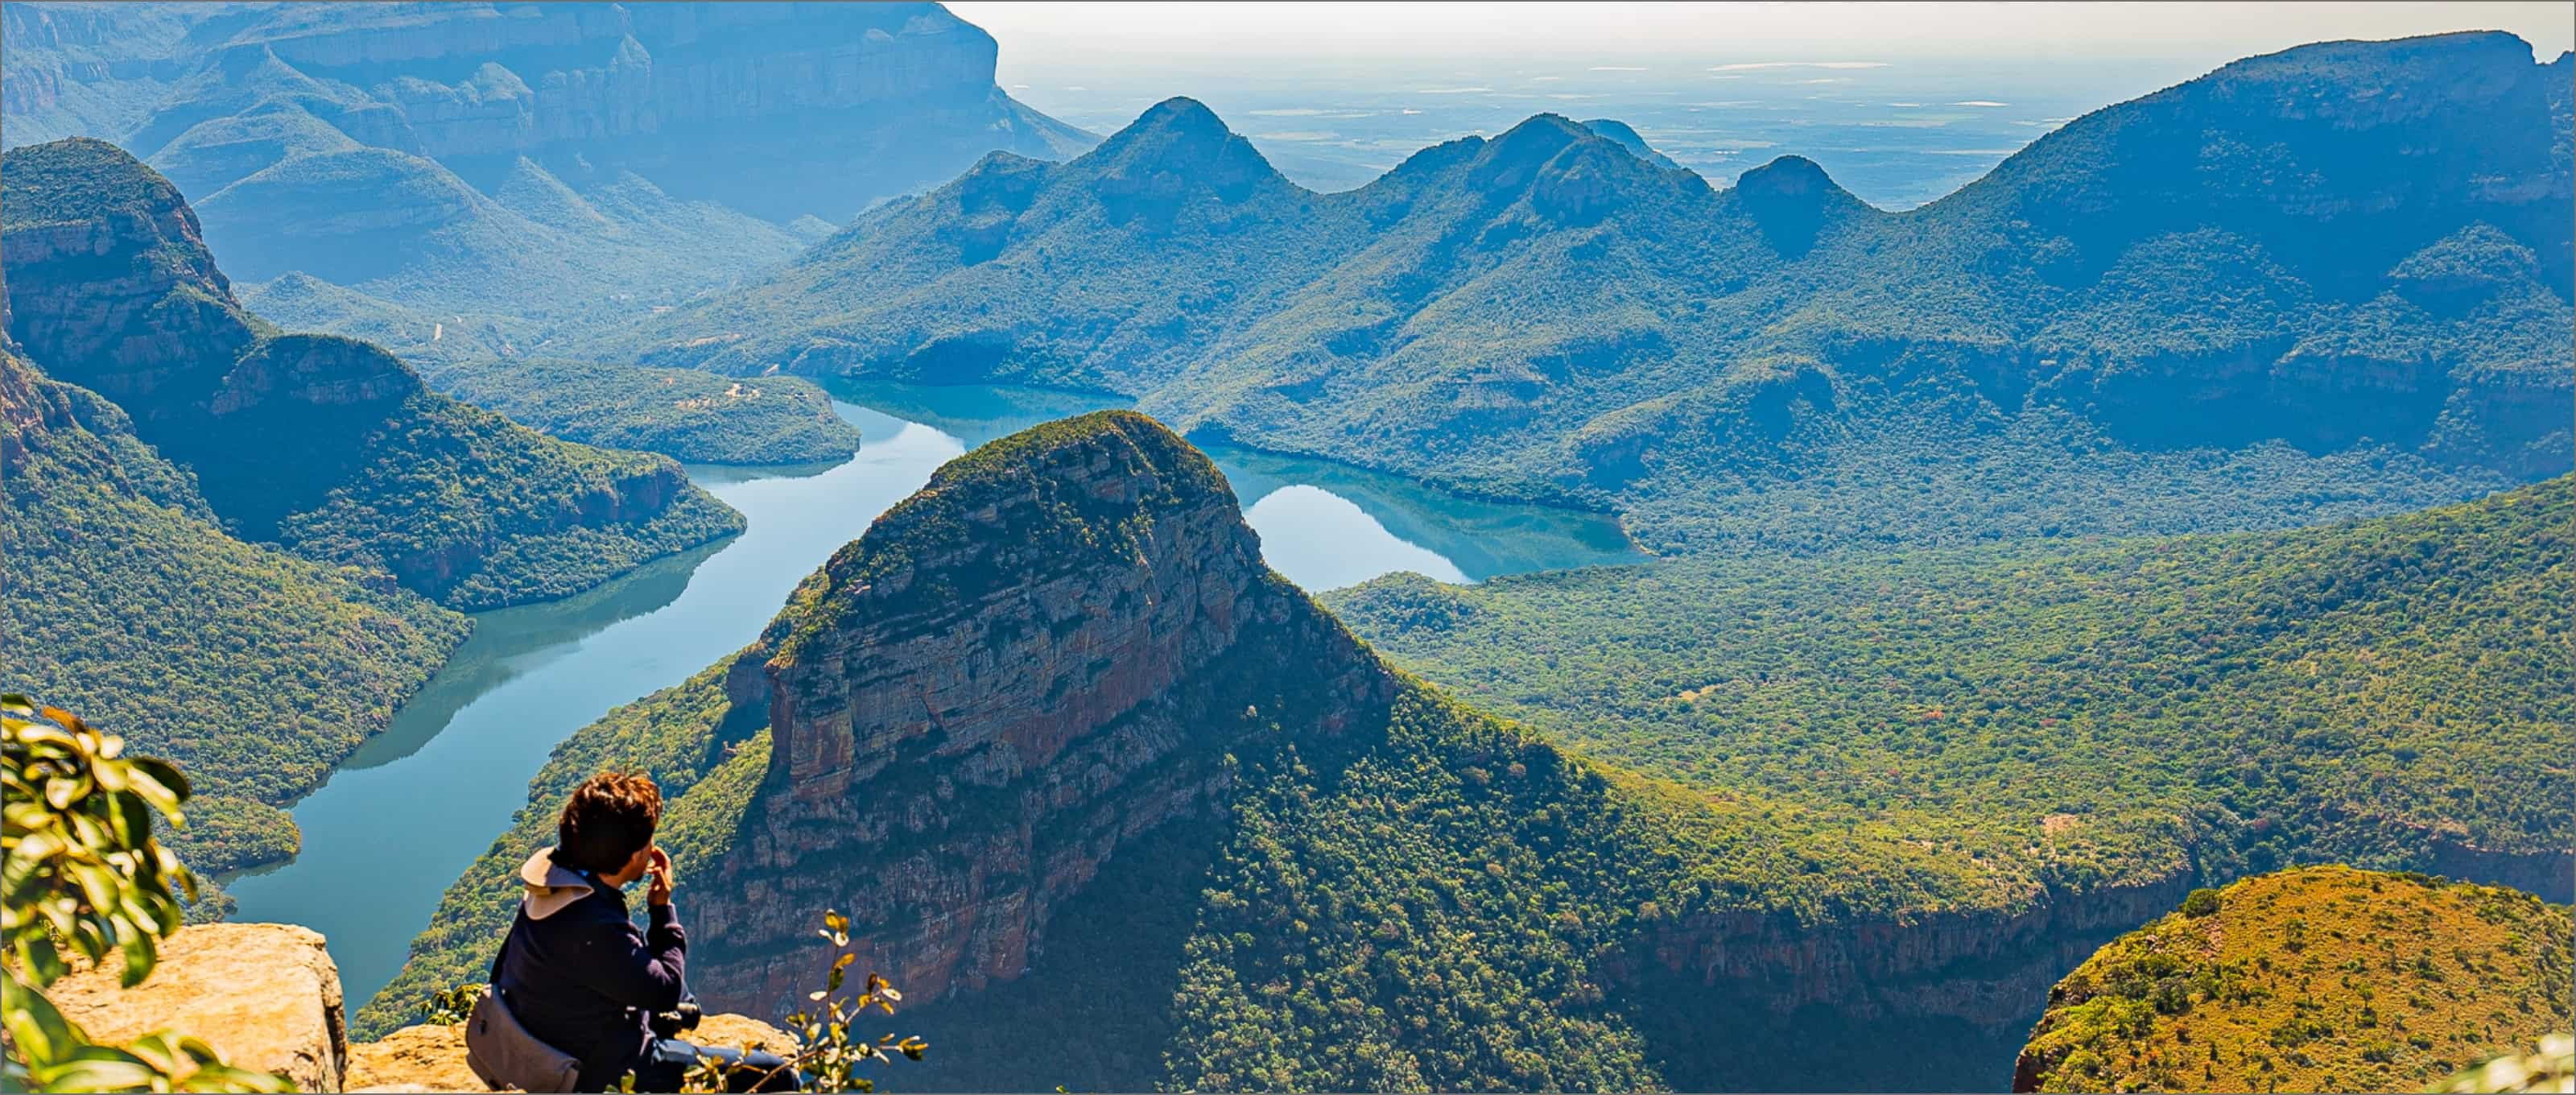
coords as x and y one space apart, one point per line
1324 525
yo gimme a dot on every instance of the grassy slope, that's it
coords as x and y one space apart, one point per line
2367 691
2318 979
256 670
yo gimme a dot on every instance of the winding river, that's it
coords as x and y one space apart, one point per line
415 805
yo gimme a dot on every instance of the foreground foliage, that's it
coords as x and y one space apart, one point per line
82 871
2549 1066
2318 979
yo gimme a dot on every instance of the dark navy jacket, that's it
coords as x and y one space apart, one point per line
579 976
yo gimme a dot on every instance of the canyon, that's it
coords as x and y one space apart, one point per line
1060 745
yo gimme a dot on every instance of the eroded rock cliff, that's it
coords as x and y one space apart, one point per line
975 706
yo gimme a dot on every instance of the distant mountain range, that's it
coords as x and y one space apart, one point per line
2325 282
539 162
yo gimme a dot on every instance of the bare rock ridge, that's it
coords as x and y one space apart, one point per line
984 698
111 287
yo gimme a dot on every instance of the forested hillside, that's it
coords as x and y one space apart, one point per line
2328 282
686 414
2391 692
356 461
255 670
2320 979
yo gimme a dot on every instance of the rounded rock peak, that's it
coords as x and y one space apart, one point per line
1787 175
1183 115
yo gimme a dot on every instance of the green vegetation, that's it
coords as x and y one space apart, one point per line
2388 692
682 413
257 670
2125 329
2318 979
355 461
1387 889
86 881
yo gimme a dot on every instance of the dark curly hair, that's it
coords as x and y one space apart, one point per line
608 819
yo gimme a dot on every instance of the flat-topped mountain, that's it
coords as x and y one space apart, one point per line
328 447
2227 289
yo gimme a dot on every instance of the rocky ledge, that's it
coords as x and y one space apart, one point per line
268 996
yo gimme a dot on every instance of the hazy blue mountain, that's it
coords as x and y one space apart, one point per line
2326 282
502 163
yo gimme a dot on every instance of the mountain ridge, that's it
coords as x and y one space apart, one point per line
1585 328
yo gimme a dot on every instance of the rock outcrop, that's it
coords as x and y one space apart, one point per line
266 995
432 1057
985 698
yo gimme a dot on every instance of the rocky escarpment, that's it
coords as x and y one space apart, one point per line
979 703
328 446
880 97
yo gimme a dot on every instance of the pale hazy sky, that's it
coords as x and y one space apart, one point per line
1060 37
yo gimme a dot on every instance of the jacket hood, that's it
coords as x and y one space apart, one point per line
551 889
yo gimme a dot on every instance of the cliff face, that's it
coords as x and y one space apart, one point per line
879 97
975 706
568 74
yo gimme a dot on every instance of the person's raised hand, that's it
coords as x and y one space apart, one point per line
657 876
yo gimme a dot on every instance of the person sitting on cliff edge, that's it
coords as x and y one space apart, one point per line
577 974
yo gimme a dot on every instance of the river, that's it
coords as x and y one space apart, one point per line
416 804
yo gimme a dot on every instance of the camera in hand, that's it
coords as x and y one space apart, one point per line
669 1024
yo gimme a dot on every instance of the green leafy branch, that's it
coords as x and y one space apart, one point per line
83 871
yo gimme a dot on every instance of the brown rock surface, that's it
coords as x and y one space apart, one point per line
432 1058
266 995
